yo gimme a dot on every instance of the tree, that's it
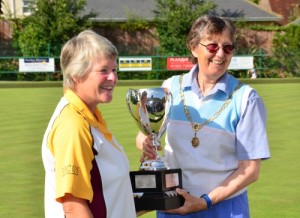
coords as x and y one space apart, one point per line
52 22
255 1
174 19
287 49
1 12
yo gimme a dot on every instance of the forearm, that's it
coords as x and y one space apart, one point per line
75 207
140 138
247 173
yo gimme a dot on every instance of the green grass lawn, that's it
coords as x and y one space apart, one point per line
25 113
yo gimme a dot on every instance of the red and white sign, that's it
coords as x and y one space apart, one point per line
179 63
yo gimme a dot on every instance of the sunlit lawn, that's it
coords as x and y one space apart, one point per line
25 113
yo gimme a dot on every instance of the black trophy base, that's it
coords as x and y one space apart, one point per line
156 189
158 203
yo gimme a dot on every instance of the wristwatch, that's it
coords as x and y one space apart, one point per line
208 201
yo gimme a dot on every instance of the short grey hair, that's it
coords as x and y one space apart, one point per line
208 26
79 53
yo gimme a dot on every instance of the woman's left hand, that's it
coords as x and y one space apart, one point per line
191 204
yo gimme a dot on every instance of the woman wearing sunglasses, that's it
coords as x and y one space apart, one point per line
217 128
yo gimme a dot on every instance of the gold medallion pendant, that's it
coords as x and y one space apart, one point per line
195 126
195 142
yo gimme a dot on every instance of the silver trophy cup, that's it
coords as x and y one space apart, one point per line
150 108
155 183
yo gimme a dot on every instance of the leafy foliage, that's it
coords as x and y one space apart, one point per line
51 21
135 23
255 1
259 27
173 21
287 49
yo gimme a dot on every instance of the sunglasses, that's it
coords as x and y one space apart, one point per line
214 47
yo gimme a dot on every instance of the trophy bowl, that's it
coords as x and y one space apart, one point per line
150 109
154 183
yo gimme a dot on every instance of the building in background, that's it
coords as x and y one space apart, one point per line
286 8
15 8
266 13
120 10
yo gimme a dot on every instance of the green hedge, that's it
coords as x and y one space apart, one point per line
24 84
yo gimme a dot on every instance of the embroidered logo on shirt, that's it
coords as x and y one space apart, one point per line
70 169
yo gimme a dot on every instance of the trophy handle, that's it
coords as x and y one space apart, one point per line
156 137
128 103
169 104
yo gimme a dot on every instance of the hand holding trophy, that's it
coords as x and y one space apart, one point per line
155 183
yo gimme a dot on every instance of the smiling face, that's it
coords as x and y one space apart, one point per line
212 61
213 65
98 85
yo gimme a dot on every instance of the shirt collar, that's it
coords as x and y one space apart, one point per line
191 82
96 121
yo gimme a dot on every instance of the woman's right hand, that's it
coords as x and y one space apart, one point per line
145 144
